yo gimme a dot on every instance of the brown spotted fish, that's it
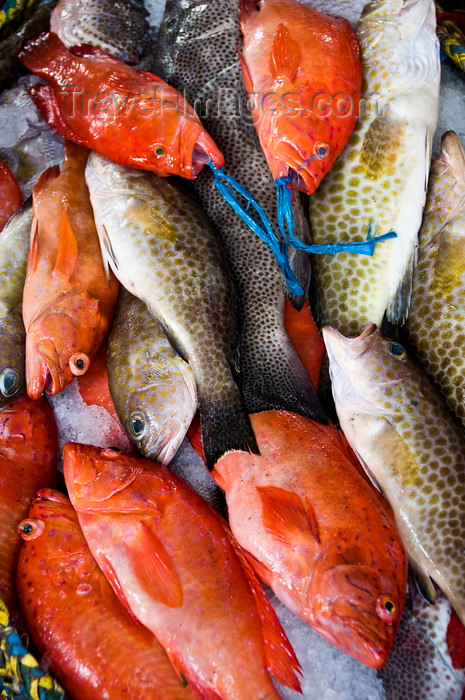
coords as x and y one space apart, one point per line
436 322
401 429
379 182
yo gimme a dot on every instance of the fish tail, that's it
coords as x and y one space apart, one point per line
225 427
39 54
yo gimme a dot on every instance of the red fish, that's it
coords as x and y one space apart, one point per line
93 645
68 302
173 562
28 458
318 533
130 116
304 71
10 195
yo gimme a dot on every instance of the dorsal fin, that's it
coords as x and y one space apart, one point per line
285 55
67 252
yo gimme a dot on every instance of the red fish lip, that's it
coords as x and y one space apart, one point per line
198 149
43 371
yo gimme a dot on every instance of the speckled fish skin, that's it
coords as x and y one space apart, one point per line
403 433
152 387
379 182
419 666
91 642
14 249
197 51
119 27
173 561
161 247
436 321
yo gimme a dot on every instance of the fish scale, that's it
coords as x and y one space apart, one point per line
436 321
399 426
197 52
378 184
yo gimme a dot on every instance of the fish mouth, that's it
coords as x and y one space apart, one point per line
342 350
199 150
43 371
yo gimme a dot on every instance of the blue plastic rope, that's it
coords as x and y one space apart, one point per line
225 183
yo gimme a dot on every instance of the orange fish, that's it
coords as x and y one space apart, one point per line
173 562
317 532
130 116
28 458
303 72
93 645
68 303
10 195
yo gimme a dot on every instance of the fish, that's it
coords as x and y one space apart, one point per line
407 440
120 28
305 337
296 61
161 247
435 326
28 145
379 182
317 533
173 562
38 22
92 644
10 195
420 666
197 52
68 300
152 387
14 250
28 455
132 117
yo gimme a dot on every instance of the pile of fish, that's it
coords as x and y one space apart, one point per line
132 275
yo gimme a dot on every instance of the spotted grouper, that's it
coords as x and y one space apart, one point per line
401 429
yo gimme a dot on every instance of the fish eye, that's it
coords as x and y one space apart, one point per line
386 608
31 528
321 149
9 382
79 363
136 425
397 351
159 151
170 23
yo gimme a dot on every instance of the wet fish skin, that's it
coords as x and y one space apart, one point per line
318 533
436 321
399 426
161 246
10 195
92 644
152 387
173 562
379 182
131 116
118 27
28 461
197 51
14 249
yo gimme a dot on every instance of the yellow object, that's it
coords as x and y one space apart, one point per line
452 40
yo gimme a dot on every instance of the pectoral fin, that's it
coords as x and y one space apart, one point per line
154 567
286 517
424 583
285 55
67 252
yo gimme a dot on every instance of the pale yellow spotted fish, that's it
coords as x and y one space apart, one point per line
436 322
161 247
379 182
409 442
153 389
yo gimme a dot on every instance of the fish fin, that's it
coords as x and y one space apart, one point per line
67 252
33 256
423 582
108 253
245 74
44 98
281 660
286 516
154 567
380 147
399 304
194 435
47 177
305 337
88 51
285 55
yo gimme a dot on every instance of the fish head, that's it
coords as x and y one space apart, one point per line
358 594
97 479
370 373
60 343
52 526
158 433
